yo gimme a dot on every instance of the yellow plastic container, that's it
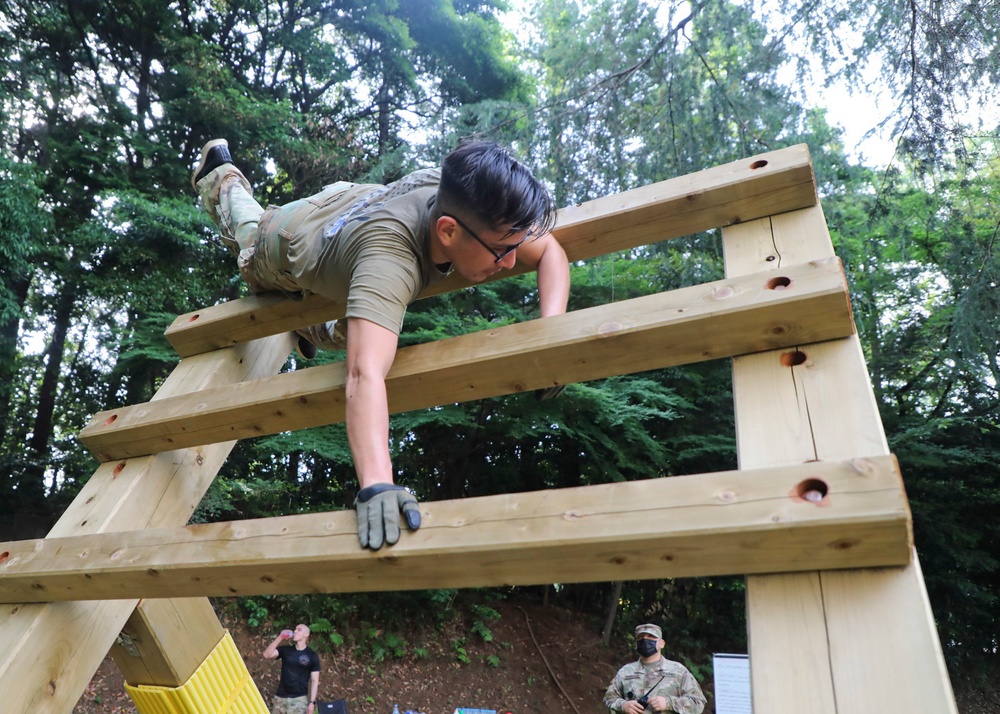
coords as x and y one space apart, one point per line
221 685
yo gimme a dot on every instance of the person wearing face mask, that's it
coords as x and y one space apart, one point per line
653 683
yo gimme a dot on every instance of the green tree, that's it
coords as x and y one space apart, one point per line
23 227
106 103
927 317
110 100
938 59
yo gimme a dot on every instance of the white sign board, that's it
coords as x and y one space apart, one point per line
732 683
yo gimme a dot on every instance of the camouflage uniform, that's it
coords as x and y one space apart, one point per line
679 687
290 705
363 245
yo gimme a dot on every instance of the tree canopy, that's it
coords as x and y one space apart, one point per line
105 105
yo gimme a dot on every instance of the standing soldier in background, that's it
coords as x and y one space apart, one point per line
653 683
299 683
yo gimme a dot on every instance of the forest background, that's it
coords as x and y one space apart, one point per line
105 104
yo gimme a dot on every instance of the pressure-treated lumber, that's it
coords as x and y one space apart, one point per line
50 652
854 640
709 524
860 640
752 313
165 640
743 190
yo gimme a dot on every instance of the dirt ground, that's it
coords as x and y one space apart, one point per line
517 681
510 674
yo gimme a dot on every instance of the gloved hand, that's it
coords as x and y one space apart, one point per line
378 508
549 392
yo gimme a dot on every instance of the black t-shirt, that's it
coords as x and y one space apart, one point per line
296 666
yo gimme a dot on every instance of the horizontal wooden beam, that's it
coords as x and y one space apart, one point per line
805 303
763 185
711 524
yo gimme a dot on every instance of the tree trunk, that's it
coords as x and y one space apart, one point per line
32 483
9 331
609 621
384 115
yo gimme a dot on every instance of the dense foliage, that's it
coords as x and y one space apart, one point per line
105 104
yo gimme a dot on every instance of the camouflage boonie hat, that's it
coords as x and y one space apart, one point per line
649 630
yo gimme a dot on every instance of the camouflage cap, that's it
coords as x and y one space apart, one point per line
649 629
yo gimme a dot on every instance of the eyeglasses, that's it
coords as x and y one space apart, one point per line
498 254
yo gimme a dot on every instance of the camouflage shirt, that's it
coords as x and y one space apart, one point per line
679 687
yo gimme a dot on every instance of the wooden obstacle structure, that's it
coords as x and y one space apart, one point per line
816 516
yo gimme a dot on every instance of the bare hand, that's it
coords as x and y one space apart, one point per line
659 704
632 707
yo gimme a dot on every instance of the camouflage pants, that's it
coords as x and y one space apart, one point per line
243 223
258 238
293 705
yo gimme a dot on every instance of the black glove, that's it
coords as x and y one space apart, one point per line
549 392
378 509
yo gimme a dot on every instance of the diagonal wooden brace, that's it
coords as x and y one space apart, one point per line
51 651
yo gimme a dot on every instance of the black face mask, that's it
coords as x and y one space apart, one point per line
645 648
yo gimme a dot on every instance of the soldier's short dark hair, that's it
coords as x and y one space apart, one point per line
482 178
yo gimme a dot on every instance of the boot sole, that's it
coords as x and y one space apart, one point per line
200 169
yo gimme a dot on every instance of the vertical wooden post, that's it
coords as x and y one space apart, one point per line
836 641
50 652
165 640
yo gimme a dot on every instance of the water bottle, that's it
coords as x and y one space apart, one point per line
395 709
